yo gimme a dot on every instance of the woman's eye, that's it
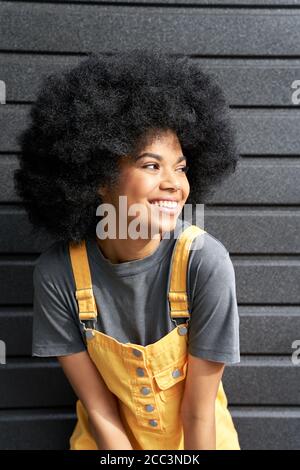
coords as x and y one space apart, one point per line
183 168
150 164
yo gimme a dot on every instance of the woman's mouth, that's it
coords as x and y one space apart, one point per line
168 207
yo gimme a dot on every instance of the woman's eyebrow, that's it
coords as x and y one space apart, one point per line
158 157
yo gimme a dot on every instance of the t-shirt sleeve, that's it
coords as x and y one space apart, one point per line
54 332
214 324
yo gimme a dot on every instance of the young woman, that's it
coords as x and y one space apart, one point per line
142 326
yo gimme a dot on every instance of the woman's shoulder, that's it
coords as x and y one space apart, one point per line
206 253
53 262
206 245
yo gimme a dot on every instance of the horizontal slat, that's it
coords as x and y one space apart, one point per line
246 82
267 428
16 282
78 28
22 82
267 281
256 381
36 429
263 330
256 181
47 386
16 330
259 280
261 181
269 132
268 330
252 82
258 132
263 381
13 120
8 165
199 3
255 231
16 233
258 428
240 230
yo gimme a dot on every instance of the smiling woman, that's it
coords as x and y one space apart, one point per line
88 119
156 187
141 325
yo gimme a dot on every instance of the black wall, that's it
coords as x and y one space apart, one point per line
253 49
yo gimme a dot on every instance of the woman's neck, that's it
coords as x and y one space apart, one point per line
124 250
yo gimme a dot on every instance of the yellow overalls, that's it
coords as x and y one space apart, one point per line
147 380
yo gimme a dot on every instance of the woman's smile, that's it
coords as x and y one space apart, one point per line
165 206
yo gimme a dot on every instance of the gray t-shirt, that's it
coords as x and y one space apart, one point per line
132 301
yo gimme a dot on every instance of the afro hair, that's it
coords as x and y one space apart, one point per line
108 106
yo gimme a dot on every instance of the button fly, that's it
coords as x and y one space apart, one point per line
149 407
140 372
137 352
153 422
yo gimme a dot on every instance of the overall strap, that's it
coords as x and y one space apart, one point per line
84 291
178 284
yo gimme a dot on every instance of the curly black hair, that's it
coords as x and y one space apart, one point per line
87 117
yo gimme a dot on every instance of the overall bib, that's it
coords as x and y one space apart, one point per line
148 381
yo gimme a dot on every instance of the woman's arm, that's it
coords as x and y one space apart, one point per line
99 402
198 403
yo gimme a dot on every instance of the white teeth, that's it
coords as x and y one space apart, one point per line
171 204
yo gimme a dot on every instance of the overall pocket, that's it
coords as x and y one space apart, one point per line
170 382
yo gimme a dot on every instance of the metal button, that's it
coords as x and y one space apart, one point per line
149 407
140 372
153 422
176 373
137 352
89 334
145 390
182 330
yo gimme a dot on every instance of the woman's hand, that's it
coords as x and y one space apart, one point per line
100 403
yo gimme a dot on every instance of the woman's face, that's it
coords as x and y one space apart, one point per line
146 178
